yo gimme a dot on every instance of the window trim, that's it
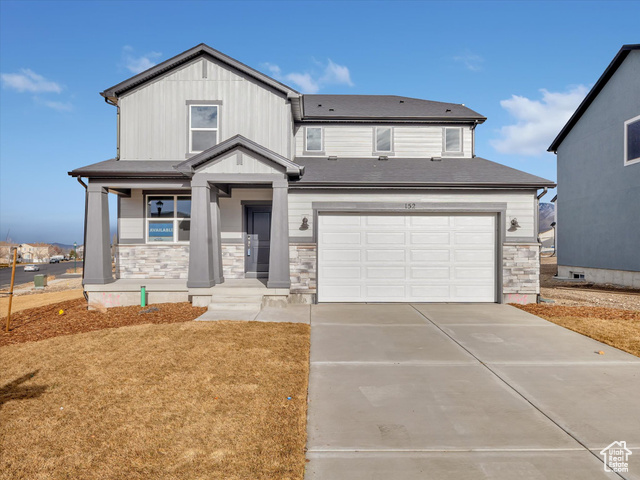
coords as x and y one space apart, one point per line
375 141
175 218
201 103
444 142
314 152
626 142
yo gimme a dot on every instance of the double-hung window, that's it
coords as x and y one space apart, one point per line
452 140
203 127
313 139
168 218
383 140
632 141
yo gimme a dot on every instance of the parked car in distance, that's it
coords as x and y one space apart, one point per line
31 268
54 260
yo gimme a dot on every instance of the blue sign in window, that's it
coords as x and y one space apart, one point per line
161 231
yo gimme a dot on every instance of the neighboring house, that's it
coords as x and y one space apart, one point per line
6 253
598 154
225 173
36 252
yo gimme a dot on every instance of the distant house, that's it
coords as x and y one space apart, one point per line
598 153
6 255
35 252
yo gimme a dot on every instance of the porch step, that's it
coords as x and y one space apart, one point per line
234 306
224 291
235 298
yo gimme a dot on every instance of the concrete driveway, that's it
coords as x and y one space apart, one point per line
463 392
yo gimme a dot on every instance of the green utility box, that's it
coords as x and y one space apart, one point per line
40 281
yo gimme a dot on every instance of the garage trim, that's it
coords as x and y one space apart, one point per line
499 209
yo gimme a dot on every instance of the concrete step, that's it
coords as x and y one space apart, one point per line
257 299
221 290
234 306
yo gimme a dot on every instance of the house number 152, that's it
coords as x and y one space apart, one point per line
409 206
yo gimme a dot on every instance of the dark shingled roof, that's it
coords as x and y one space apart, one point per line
127 168
593 93
415 172
376 107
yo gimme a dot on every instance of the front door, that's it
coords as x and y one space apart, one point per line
257 242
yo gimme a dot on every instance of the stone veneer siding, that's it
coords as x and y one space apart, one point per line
521 269
152 261
233 260
302 264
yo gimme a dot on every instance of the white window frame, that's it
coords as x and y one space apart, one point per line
200 129
626 142
176 219
306 147
444 140
375 141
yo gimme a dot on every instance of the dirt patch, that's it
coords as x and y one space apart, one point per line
194 400
24 302
46 322
616 327
566 293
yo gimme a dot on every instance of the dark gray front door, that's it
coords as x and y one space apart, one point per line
257 244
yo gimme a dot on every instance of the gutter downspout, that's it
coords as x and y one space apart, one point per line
84 238
473 139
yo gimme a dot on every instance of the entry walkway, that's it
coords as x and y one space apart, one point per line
463 392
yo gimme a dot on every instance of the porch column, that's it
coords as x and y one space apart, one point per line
97 251
216 243
201 273
279 252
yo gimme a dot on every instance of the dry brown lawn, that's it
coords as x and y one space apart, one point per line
190 400
615 327
24 302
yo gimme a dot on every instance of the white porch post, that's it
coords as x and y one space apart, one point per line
201 272
279 253
97 251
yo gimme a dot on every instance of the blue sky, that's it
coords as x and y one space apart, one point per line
524 65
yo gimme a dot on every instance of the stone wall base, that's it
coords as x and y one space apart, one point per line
232 260
520 273
302 268
152 261
603 276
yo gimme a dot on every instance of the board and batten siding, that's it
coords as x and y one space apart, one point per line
153 118
520 205
357 141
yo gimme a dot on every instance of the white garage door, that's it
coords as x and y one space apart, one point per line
406 258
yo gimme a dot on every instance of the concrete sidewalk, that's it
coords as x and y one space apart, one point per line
463 392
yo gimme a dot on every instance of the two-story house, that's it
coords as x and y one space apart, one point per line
224 174
598 155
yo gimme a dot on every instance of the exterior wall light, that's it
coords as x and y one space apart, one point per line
305 224
514 224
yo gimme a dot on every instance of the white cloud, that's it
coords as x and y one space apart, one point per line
537 121
311 82
29 81
137 64
470 60
60 106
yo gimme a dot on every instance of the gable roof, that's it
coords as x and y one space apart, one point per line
414 172
593 93
114 92
377 107
238 141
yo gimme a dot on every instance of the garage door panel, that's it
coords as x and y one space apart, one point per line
406 258
430 272
430 238
473 238
342 255
384 273
376 238
341 238
387 255
430 255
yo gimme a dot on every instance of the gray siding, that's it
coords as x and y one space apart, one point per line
154 117
408 141
598 205
520 205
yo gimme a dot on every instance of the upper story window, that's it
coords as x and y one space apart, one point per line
632 141
384 139
313 139
203 127
168 218
453 140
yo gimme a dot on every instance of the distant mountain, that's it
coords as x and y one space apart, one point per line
64 247
545 216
